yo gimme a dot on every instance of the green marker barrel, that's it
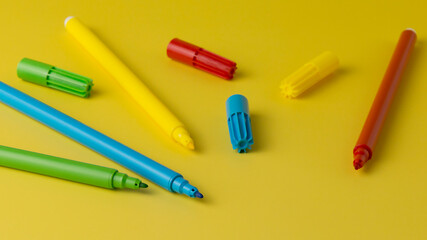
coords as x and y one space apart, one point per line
67 169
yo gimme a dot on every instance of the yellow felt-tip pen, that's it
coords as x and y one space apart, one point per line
130 82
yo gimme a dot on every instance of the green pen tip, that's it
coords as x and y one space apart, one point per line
142 185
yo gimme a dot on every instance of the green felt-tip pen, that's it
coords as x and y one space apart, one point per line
67 169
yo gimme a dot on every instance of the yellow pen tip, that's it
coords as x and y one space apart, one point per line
183 137
186 141
190 146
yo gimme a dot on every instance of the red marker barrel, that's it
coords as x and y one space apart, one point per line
377 115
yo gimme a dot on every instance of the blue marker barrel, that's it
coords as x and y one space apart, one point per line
97 141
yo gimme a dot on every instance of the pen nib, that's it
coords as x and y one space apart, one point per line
357 163
183 137
190 146
360 158
198 195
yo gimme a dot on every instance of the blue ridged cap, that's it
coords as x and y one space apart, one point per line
239 123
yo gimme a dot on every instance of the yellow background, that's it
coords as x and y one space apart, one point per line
297 183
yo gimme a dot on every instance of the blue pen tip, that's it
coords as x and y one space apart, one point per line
198 195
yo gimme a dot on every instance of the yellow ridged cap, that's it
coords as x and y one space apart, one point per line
309 74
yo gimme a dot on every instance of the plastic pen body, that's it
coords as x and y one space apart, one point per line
95 140
66 169
130 82
368 137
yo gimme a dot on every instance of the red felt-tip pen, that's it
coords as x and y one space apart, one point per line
371 130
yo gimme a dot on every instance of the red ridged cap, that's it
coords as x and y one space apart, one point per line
199 58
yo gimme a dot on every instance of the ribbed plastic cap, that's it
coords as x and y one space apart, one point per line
200 58
239 123
182 51
53 77
309 74
235 104
33 71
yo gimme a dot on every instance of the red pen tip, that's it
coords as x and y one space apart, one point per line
357 163
361 156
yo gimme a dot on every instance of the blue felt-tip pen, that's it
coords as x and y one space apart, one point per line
97 141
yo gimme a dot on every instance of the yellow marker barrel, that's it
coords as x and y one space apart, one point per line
309 74
130 82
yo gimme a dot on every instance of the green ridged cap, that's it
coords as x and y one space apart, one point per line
56 78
